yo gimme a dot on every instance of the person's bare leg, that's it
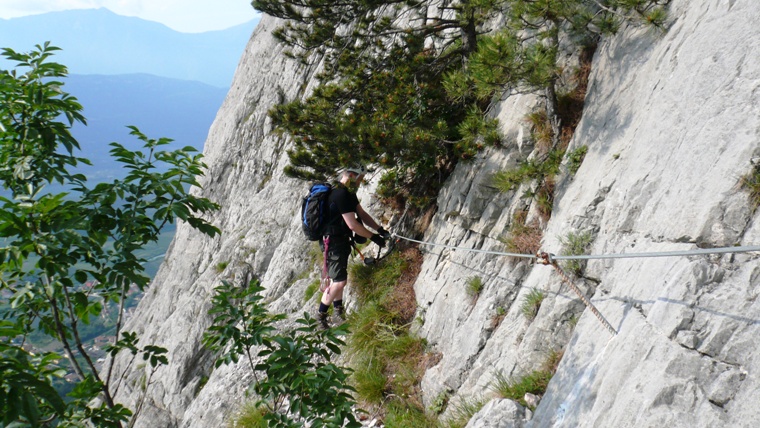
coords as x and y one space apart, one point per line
335 292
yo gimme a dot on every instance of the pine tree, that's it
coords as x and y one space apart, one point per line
407 84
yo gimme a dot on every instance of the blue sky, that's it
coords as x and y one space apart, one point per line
189 16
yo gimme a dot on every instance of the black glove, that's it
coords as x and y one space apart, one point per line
384 233
377 239
359 239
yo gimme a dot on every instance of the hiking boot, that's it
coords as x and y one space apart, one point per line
322 318
339 315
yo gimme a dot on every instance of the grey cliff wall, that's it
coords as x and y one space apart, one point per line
260 238
671 122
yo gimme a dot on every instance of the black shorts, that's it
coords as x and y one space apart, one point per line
338 251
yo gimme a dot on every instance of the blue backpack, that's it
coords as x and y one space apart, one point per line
315 211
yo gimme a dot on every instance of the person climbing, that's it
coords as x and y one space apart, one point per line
350 219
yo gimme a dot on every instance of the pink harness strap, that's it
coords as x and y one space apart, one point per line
324 285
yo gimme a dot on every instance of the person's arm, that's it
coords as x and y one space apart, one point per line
366 218
356 226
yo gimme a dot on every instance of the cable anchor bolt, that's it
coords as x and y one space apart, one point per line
544 258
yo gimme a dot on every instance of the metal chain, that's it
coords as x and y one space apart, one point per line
546 259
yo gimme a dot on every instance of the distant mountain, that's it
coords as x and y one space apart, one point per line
97 41
158 106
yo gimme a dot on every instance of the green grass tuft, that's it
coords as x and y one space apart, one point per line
532 304
220 267
250 416
751 182
534 383
575 159
575 244
475 286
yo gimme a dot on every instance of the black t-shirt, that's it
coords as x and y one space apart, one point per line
341 201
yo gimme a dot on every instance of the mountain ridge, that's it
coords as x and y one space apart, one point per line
130 45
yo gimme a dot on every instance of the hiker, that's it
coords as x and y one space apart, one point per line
349 219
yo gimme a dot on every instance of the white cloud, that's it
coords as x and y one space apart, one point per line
181 15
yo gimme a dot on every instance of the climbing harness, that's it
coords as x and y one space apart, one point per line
549 259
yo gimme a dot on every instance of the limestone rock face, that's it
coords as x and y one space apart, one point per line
671 122
261 238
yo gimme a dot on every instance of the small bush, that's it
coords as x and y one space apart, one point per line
440 402
575 244
540 170
575 159
523 238
751 182
474 286
498 317
532 304
545 197
508 180
250 416
541 130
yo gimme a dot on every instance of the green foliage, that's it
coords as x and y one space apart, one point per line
530 170
535 382
410 93
751 183
57 273
221 266
403 414
440 402
251 416
575 159
26 393
375 283
241 322
575 243
541 171
381 99
532 304
523 55
475 286
299 381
